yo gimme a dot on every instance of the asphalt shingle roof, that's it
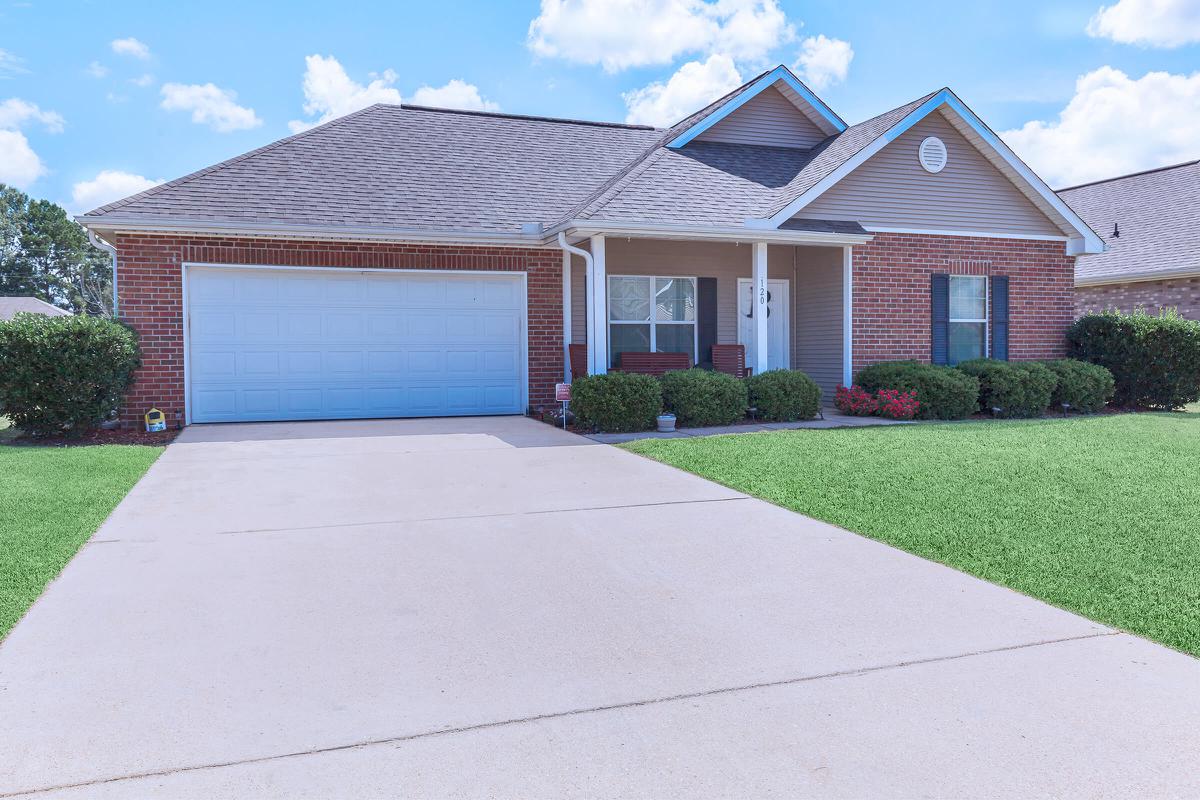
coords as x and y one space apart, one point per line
406 167
11 306
1158 214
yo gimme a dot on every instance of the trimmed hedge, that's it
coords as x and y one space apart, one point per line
1085 387
617 402
700 397
1154 359
783 395
1017 388
943 392
62 376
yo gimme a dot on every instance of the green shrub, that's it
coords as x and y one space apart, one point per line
943 392
64 375
783 395
1085 387
1154 358
1017 388
700 397
617 402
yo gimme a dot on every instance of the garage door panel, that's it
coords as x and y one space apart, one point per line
300 344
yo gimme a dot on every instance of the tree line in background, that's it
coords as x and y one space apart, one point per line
46 254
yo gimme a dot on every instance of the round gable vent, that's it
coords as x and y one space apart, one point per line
932 153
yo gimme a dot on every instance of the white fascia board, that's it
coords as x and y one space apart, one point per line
1086 240
1037 237
329 232
780 73
636 230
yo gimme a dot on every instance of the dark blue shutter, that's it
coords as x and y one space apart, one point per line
1000 317
939 297
706 318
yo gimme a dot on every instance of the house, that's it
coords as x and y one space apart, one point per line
409 261
11 306
1150 222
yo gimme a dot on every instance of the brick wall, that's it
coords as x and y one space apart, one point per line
149 276
891 292
1182 294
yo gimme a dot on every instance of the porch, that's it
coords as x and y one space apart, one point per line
672 295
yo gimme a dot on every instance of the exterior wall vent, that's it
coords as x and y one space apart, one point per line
932 154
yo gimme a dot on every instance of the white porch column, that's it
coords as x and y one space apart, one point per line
598 311
566 301
847 315
759 304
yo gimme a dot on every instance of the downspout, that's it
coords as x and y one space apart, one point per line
588 286
103 245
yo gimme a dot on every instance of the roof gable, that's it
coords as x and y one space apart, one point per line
1081 238
769 118
782 81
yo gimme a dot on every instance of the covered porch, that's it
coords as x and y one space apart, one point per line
787 302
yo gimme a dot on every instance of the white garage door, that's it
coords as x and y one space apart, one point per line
271 344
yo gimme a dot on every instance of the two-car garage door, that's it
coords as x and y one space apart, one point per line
284 344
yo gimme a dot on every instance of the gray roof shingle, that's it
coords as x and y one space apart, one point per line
1158 213
11 306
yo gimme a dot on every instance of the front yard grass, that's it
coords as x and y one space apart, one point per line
1099 515
51 500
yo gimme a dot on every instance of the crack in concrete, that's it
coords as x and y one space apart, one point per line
848 673
443 519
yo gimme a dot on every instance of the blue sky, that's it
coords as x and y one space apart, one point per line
98 99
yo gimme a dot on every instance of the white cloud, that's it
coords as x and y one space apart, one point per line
96 70
455 94
107 186
1114 125
130 47
693 86
331 93
210 105
11 65
19 165
142 80
1156 23
15 113
630 33
823 61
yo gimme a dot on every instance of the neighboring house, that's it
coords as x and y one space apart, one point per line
11 306
1150 222
406 261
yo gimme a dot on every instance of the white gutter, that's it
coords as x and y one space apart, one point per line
588 227
112 251
1139 277
579 251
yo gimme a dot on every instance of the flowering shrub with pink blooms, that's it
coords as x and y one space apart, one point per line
855 401
895 404
889 403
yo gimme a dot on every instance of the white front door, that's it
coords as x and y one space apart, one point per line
284 344
778 328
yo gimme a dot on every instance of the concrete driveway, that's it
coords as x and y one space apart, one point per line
494 608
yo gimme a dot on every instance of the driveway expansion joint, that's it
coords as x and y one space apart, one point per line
848 673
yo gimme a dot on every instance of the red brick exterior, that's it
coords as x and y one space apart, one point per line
891 295
1182 294
150 287
892 284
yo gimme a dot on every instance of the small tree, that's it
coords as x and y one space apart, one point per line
64 375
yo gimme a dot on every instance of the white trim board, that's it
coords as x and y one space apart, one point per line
1086 242
982 234
185 266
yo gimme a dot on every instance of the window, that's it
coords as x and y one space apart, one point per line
968 317
648 314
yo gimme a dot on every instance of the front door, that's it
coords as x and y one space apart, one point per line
778 329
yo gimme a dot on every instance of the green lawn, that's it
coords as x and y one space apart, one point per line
51 500
1100 515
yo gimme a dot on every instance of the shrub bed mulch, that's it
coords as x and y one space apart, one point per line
98 436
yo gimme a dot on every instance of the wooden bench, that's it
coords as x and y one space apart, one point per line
654 363
730 359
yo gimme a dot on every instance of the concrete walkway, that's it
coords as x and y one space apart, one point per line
494 608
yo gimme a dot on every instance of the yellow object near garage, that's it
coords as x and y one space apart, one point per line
155 420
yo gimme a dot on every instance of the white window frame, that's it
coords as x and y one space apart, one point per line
654 322
987 311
